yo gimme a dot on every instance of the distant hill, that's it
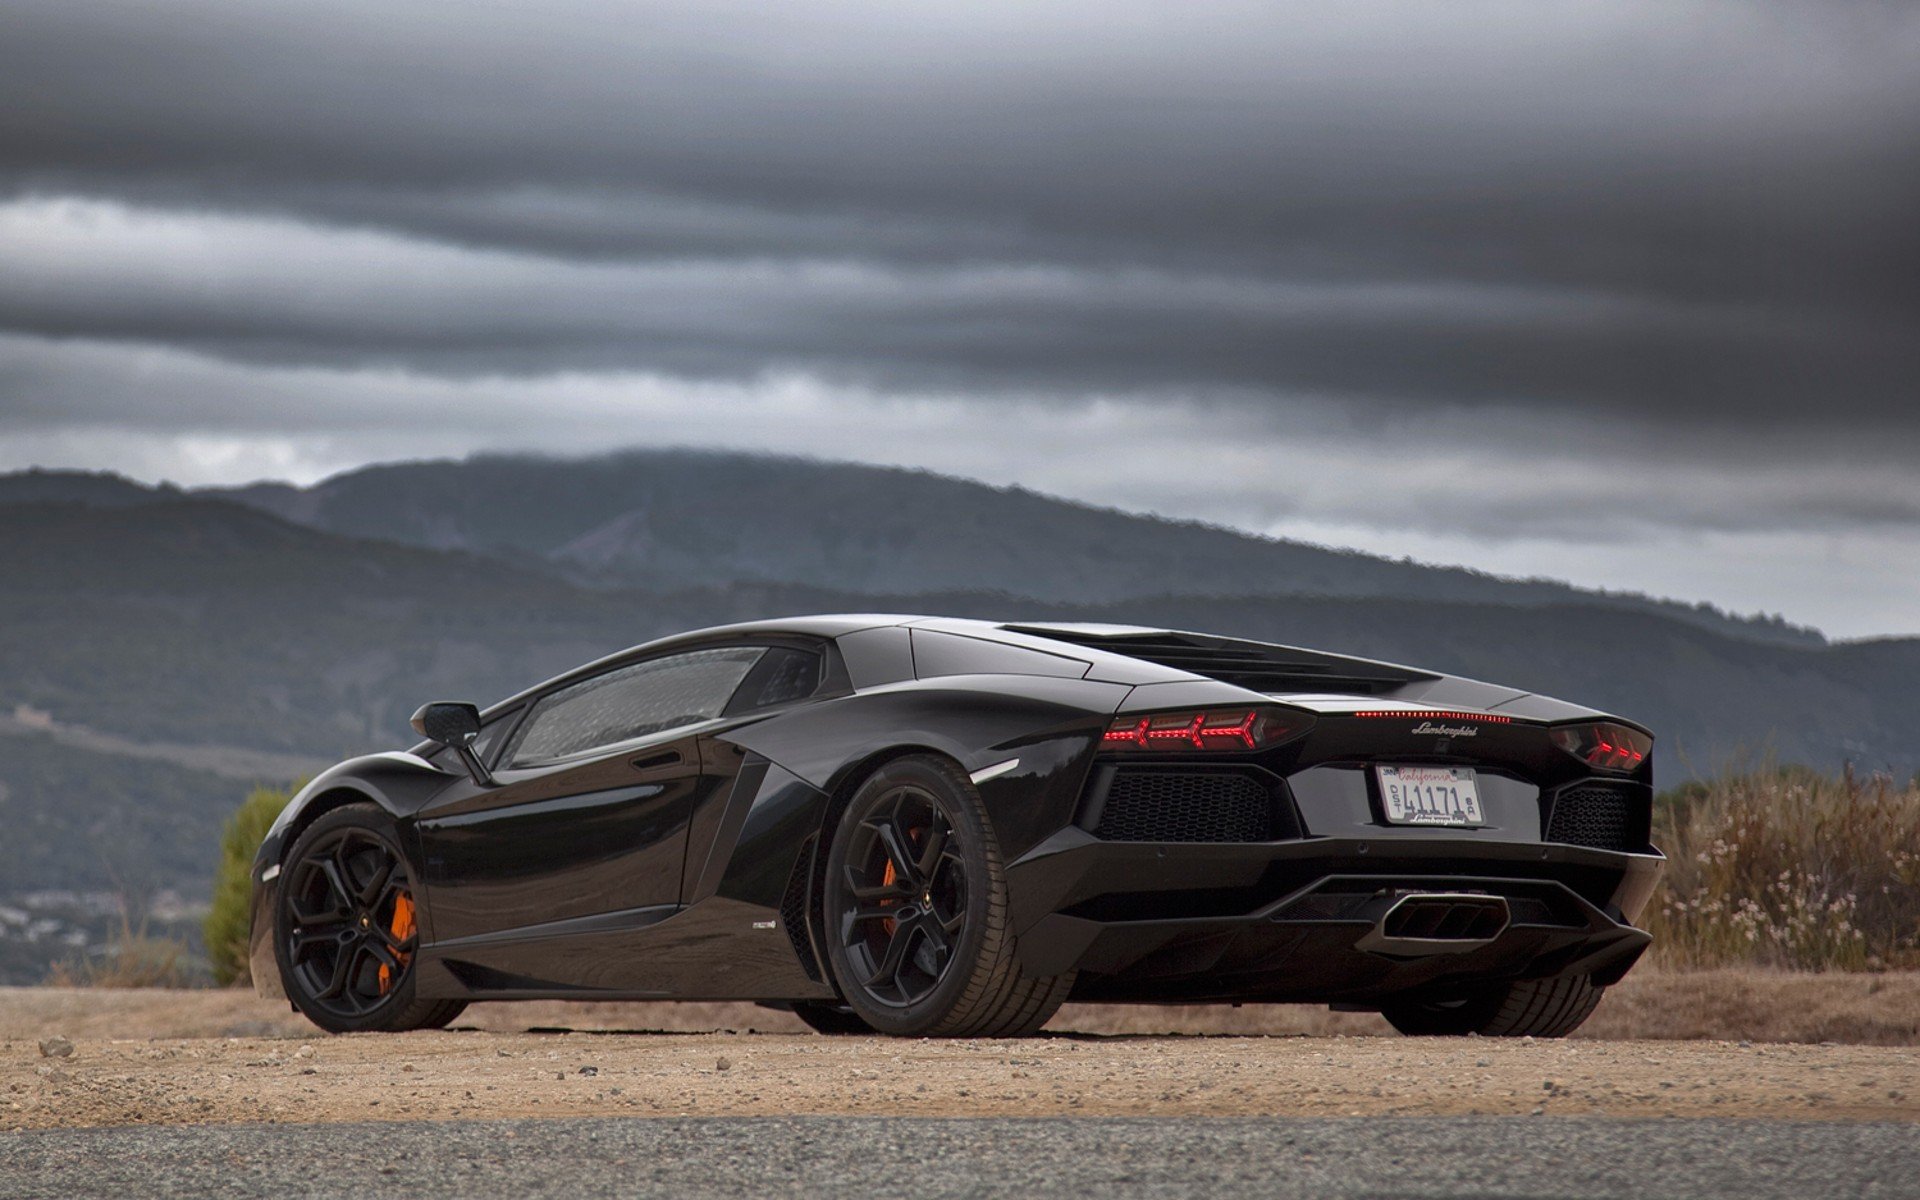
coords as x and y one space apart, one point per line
672 519
94 488
205 622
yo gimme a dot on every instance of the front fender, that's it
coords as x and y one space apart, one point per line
397 781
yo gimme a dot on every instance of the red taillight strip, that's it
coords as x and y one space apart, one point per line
1433 713
1604 745
1193 732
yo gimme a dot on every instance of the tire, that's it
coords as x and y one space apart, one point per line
344 931
915 907
835 1020
1545 1008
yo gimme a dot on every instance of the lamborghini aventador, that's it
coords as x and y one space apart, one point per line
929 826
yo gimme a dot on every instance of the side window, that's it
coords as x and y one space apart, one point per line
631 702
492 732
781 677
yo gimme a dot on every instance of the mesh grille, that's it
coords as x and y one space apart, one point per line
793 912
1590 816
1187 806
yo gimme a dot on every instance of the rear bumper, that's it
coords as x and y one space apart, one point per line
1299 921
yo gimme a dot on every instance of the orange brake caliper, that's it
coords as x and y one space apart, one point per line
886 880
402 928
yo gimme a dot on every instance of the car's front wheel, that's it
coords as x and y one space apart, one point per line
916 915
344 930
1547 1008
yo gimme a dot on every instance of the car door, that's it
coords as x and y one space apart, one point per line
594 790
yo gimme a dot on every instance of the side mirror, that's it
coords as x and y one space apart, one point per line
454 723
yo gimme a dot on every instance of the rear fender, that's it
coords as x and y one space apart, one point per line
1029 740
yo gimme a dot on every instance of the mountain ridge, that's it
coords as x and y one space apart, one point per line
204 621
681 518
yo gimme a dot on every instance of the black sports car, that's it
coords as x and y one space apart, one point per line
930 826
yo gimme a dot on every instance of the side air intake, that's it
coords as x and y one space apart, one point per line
1600 815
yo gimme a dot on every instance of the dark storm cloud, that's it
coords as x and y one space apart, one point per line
1626 291
1663 212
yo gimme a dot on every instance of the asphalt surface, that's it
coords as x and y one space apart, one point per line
1065 1156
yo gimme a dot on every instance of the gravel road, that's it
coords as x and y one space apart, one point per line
1071 1157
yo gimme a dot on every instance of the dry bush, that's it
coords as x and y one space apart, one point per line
1788 868
135 959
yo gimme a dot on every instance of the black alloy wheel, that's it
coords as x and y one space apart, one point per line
908 889
915 909
346 927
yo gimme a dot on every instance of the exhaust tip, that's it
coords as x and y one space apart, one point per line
1439 923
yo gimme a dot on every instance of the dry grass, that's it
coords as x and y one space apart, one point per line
1786 868
132 961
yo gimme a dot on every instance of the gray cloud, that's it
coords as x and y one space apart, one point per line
288 291
1654 258
1645 158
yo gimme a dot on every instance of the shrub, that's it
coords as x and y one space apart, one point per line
136 960
1788 868
226 926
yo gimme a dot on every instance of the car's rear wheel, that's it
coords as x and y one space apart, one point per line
1547 1008
345 934
916 911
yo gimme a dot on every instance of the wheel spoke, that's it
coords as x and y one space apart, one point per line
934 948
364 961
932 852
948 861
311 920
904 866
337 885
888 970
371 894
873 912
936 935
342 973
897 890
307 936
396 945
380 953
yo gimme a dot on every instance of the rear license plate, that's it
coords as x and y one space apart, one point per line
1430 795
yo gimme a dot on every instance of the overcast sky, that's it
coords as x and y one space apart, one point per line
1622 292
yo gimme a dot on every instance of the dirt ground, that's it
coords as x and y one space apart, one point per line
197 1057
1729 1005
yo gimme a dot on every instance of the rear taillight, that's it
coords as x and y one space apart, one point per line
1604 746
1205 729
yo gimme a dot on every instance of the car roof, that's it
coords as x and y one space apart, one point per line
1133 654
